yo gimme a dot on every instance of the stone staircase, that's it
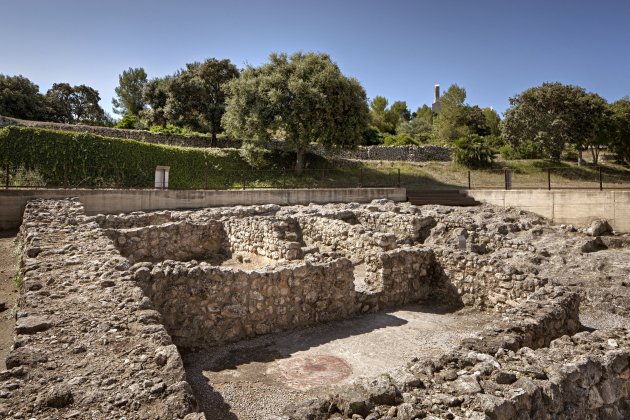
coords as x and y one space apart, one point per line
443 197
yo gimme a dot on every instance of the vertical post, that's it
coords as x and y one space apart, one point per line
398 177
65 176
284 178
6 181
360 177
469 183
601 183
505 180
549 179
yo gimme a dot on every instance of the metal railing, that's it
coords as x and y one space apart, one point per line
81 176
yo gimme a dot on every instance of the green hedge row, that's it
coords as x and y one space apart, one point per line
83 159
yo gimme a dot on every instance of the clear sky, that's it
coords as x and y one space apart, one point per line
397 49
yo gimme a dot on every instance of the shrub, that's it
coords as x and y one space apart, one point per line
525 150
175 130
472 151
131 122
398 140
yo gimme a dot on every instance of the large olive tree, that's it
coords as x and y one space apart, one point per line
302 98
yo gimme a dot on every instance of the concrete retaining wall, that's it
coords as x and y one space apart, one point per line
577 207
12 202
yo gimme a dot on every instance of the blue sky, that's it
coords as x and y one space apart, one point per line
397 49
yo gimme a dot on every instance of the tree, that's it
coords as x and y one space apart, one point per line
129 98
450 123
20 98
155 95
75 105
399 113
493 121
553 115
615 128
196 97
304 96
379 115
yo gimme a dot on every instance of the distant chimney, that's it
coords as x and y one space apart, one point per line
437 105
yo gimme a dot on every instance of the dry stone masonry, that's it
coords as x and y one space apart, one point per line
109 301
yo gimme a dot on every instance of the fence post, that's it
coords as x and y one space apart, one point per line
6 185
398 177
549 179
601 183
469 183
361 177
507 173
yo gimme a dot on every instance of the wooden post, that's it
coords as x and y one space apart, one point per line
549 179
398 177
360 177
469 183
601 183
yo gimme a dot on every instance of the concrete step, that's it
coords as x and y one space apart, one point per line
443 197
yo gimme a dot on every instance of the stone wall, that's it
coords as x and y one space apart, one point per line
388 153
180 241
88 342
499 375
208 305
265 236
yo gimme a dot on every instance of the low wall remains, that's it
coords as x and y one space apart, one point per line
576 207
12 202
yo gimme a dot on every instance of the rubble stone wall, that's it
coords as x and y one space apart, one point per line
410 229
529 364
266 236
207 305
88 342
180 241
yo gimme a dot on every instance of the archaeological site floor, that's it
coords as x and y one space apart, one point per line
365 311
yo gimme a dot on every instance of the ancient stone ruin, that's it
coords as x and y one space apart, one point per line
111 303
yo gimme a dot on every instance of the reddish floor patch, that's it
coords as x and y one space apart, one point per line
311 371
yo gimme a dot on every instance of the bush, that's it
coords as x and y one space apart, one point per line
398 140
372 137
525 150
175 130
472 151
130 122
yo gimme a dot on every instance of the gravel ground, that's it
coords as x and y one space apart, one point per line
8 293
256 378
600 320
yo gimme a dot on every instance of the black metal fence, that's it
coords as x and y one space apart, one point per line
570 177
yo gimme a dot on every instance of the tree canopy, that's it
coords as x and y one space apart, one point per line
20 98
302 98
75 105
553 115
129 99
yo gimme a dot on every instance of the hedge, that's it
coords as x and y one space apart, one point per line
84 159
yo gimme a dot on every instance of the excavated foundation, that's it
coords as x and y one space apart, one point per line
308 312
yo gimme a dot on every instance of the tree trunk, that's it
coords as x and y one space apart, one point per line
595 153
299 163
579 160
213 139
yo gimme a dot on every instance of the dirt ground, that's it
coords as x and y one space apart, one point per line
256 378
8 293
